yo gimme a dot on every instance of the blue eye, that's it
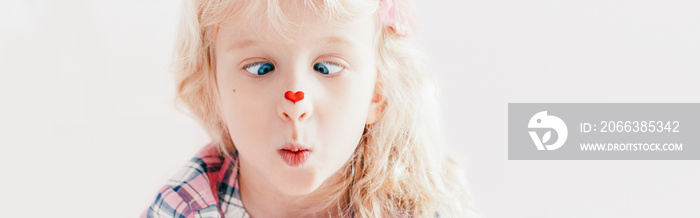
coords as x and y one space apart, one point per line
260 68
327 68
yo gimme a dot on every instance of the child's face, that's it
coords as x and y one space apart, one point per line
332 63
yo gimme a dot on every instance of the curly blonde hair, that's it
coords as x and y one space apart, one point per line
398 168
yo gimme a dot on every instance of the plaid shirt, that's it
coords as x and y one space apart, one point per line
207 186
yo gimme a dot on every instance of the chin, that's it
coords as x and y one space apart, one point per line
299 182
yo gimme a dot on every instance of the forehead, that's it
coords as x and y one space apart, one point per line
294 22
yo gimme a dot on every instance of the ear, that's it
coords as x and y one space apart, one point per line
376 106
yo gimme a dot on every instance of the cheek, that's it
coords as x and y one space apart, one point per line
342 117
246 114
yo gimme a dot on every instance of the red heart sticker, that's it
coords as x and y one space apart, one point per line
294 97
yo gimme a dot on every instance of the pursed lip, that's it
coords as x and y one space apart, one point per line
294 147
294 154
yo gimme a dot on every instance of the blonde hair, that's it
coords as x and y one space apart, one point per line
398 168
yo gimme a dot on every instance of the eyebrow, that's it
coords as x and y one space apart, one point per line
337 40
242 44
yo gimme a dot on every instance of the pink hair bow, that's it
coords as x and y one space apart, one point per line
398 15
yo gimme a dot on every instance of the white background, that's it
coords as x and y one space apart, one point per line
88 128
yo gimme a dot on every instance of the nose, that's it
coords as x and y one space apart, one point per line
294 109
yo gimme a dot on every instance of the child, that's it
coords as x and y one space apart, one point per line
316 108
